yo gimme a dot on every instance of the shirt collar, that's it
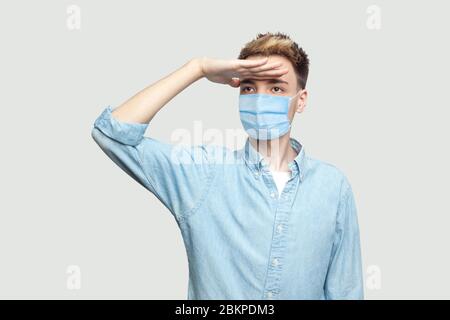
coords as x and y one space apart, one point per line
255 161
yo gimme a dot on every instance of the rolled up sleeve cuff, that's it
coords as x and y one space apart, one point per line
124 132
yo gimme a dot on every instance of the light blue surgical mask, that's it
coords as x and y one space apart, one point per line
265 116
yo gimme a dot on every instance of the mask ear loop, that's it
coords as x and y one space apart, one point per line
292 98
290 101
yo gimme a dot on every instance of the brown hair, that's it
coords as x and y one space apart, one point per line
281 44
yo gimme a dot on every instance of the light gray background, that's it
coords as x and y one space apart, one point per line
378 109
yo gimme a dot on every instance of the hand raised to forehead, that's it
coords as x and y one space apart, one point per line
231 71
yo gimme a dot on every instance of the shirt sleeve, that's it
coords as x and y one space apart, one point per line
179 176
344 279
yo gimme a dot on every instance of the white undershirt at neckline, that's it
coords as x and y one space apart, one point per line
281 178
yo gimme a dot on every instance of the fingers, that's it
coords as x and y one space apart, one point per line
256 69
265 67
235 82
275 73
252 63
265 70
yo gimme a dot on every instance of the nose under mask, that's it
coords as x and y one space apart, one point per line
265 116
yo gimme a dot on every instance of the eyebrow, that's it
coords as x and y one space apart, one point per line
243 81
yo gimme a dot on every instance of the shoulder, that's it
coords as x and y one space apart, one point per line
328 173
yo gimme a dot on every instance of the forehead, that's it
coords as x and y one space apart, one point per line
285 63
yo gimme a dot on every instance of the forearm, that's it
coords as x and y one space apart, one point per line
143 106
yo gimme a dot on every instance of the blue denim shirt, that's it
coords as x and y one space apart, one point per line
242 240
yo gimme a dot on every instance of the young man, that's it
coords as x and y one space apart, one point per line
269 222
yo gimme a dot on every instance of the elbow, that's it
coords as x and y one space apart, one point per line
100 138
95 134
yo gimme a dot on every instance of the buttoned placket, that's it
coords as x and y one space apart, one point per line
282 209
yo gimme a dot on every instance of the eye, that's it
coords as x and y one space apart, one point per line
280 90
244 88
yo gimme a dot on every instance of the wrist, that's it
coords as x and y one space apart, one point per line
197 66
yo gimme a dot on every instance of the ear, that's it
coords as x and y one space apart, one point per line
301 102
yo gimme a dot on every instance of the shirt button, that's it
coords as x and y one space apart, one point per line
269 294
275 262
272 194
280 228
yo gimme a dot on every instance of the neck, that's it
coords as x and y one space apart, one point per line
277 152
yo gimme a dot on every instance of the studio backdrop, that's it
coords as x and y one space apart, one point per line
72 225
